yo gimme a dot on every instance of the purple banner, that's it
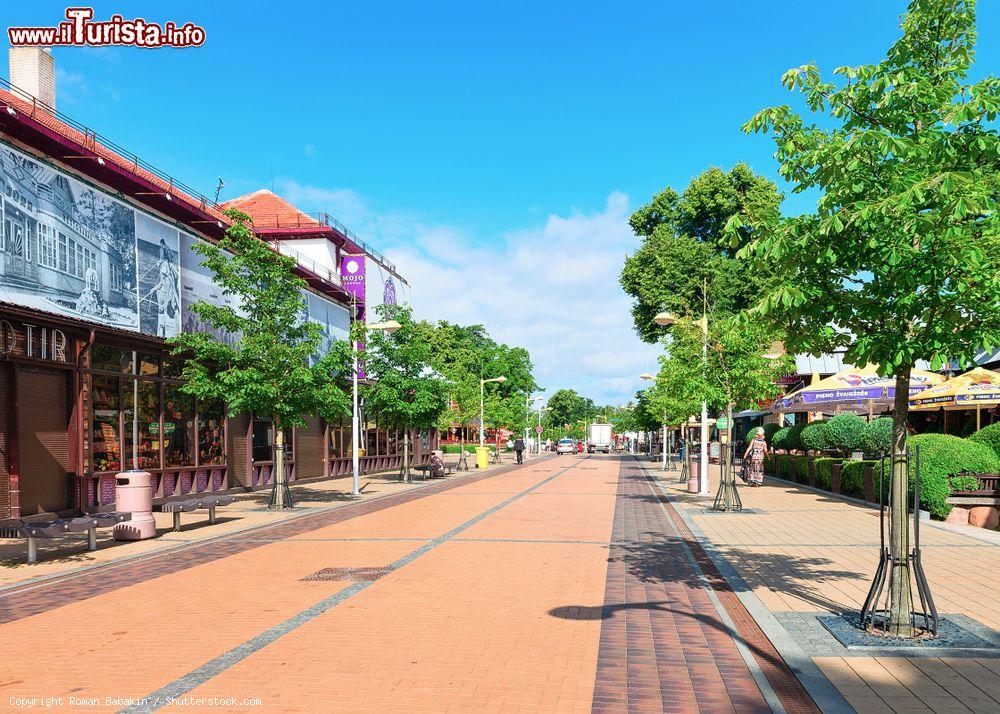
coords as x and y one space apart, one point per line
352 276
834 395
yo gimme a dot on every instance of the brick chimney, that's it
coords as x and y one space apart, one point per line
33 71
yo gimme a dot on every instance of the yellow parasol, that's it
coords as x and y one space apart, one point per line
975 389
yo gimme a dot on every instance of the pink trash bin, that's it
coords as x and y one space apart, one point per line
134 494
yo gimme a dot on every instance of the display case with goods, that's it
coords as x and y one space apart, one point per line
107 447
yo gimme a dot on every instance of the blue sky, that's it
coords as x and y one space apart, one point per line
452 133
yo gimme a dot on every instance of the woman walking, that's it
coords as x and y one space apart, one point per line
755 451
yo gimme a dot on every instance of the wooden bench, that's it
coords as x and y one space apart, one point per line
60 526
195 504
428 469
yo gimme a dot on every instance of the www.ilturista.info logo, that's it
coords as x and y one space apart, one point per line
80 30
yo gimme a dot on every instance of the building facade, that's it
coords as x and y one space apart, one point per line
97 270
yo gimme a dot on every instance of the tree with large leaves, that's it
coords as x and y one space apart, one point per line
900 261
273 369
403 386
685 247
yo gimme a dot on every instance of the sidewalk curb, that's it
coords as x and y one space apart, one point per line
824 693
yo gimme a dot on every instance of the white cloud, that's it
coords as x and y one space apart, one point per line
551 288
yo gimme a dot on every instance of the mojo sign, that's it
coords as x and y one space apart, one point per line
24 340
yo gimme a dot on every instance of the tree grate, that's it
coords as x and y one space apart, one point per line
353 574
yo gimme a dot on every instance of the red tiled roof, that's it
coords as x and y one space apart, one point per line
270 211
89 143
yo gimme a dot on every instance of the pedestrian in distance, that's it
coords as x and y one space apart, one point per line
755 452
519 449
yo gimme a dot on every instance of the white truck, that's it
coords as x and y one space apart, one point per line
599 438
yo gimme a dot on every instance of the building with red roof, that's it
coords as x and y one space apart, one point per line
96 272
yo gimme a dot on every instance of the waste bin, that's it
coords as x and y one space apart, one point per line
134 494
482 457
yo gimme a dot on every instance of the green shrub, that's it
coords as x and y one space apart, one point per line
877 437
780 438
823 468
802 469
969 429
990 436
794 438
941 457
769 431
964 483
852 477
456 448
844 432
813 436
782 465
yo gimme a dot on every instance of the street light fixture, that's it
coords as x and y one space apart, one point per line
389 326
482 395
527 411
666 319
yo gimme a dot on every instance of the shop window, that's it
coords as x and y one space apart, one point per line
107 448
372 443
393 446
290 444
173 368
110 359
148 365
211 433
261 440
141 416
340 439
178 427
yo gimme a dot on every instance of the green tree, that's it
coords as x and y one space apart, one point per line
403 387
736 372
272 370
900 260
569 408
685 248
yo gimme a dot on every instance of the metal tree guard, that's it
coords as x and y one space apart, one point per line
875 612
272 502
727 498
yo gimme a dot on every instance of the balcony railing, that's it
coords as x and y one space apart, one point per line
306 262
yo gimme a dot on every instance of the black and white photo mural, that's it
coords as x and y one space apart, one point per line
159 277
197 284
66 248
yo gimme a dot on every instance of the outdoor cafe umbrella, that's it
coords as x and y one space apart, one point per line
975 389
857 389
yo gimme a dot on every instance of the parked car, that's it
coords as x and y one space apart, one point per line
566 446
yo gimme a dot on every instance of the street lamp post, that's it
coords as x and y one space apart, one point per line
389 326
482 406
538 432
527 412
666 318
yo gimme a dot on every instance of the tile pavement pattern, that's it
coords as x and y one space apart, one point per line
511 604
664 646
33 599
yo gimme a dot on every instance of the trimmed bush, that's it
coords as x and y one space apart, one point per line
802 469
941 457
823 468
813 436
794 438
964 483
780 438
852 477
769 431
783 466
844 432
877 437
456 448
990 436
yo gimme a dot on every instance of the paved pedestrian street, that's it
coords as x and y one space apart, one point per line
571 583
566 584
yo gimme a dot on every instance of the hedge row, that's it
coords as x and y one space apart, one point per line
944 461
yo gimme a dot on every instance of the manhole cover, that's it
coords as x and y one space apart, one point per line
364 574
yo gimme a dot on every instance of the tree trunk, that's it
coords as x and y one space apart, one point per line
406 455
279 465
900 624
